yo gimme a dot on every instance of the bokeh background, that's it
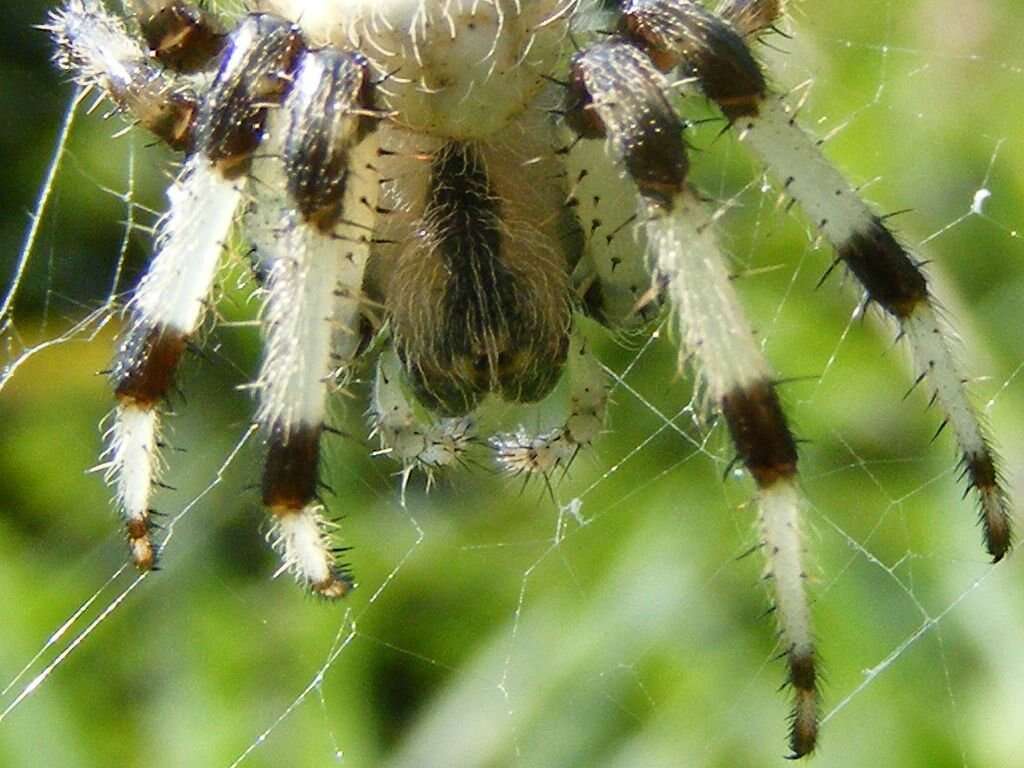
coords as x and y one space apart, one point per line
612 623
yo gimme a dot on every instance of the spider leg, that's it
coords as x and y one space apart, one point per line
751 17
616 285
405 434
677 32
616 93
168 305
316 258
179 35
96 46
524 453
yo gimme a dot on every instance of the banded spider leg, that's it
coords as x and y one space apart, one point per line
221 132
617 95
682 35
315 258
322 101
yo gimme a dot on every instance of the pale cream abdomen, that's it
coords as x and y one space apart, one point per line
459 69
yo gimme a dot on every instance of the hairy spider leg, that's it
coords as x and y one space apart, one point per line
165 311
678 33
179 35
613 276
751 17
524 453
96 47
617 94
316 255
168 305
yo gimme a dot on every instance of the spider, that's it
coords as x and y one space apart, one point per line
451 186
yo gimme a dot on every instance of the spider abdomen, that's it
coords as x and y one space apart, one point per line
462 69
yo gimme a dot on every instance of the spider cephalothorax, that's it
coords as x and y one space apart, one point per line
451 184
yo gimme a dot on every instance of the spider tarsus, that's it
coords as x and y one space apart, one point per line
803 679
339 585
983 478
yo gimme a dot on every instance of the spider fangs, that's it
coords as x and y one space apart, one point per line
428 173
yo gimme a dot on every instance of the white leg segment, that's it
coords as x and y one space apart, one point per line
795 157
714 327
782 545
932 356
615 247
299 318
189 246
132 467
303 539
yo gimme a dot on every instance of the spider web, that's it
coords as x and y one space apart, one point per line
610 621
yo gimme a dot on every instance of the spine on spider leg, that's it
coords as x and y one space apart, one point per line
168 305
525 453
617 93
97 48
314 295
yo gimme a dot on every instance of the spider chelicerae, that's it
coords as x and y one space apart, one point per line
449 186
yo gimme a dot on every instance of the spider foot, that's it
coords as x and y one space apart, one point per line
409 437
140 545
803 730
97 48
303 537
523 453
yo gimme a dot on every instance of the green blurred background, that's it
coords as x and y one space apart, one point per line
489 628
